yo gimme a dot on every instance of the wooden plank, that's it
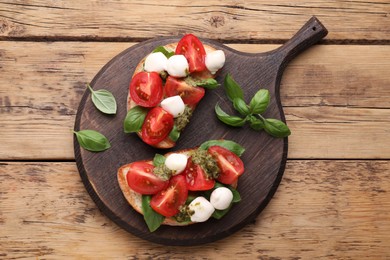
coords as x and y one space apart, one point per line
322 209
335 98
249 20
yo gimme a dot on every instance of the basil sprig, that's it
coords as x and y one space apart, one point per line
92 140
252 113
152 218
103 100
134 119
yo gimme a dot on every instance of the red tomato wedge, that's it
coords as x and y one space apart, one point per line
196 177
141 179
168 201
230 164
192 48
146 89
191 95
157 125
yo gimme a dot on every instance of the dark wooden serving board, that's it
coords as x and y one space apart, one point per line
264 158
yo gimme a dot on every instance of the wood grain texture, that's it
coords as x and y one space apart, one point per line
325 89
233 20
322 209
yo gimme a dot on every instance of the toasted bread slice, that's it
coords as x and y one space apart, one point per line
167 142
135 199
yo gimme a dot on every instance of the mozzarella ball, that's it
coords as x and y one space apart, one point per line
201 208
176 162
177 66
156 62
221 198
173 105
215 60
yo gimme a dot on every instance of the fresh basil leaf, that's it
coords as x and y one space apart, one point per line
240 106
158 160
255 123
227 119
164 51
152 218
208 83
276 128
230 145
233 90
218 214
92 140
259 102
103 100
134 119
174 134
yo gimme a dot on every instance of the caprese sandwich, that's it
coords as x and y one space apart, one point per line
166 87
184 187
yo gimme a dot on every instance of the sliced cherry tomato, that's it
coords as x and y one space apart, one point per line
157 125
141 179
196 177
192 48
146 89
230 164
168 201
191 95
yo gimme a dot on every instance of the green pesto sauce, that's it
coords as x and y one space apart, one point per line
184 214
207 162
182 120
163 172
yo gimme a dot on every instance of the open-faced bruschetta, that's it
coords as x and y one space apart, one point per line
166 87
184 187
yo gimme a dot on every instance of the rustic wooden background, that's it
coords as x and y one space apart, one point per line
334 199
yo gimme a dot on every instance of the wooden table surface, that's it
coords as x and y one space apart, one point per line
334 198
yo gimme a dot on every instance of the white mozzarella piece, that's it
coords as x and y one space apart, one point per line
173 105
176 162
221 198
215 60
177 66
156 62
201 208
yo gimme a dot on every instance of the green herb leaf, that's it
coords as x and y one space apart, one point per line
233 90
92 140
227 119
208 83
255 123
276 128
240 106
158 160
218 214
152 218
103 100
230 145
164 51
259 102
134 119
174 134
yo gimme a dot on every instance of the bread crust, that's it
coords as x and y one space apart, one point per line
167 142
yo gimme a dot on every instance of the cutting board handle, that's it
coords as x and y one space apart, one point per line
310 33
